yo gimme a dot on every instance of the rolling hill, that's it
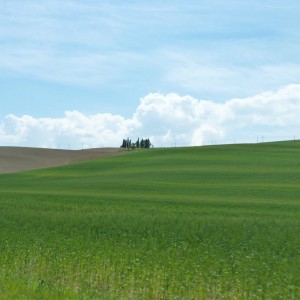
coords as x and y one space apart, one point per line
215 222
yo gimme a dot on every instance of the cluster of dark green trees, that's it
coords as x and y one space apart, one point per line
143 143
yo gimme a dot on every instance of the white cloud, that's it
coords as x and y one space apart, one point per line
238 70
167 120
175 45
74 129
66 42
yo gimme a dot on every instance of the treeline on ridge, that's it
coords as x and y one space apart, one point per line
143 143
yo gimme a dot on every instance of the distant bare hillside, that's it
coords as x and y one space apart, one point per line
14 159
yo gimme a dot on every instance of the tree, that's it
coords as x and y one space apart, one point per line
126 143
123 144
146 144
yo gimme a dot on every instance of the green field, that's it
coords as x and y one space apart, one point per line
219 222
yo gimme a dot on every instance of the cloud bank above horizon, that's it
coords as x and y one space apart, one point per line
168 120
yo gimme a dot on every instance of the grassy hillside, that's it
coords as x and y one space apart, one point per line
218 222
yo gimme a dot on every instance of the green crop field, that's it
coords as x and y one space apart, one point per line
219 222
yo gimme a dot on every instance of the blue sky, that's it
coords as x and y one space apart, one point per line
100 58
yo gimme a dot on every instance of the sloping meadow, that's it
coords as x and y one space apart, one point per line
219 222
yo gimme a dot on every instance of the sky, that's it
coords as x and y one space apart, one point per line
77 74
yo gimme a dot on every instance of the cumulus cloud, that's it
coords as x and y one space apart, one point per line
168 120
74 130
186 120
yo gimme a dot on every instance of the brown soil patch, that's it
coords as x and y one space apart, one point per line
15 159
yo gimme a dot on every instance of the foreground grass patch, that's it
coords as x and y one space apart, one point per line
187 223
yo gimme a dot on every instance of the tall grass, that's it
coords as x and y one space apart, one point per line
218 222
